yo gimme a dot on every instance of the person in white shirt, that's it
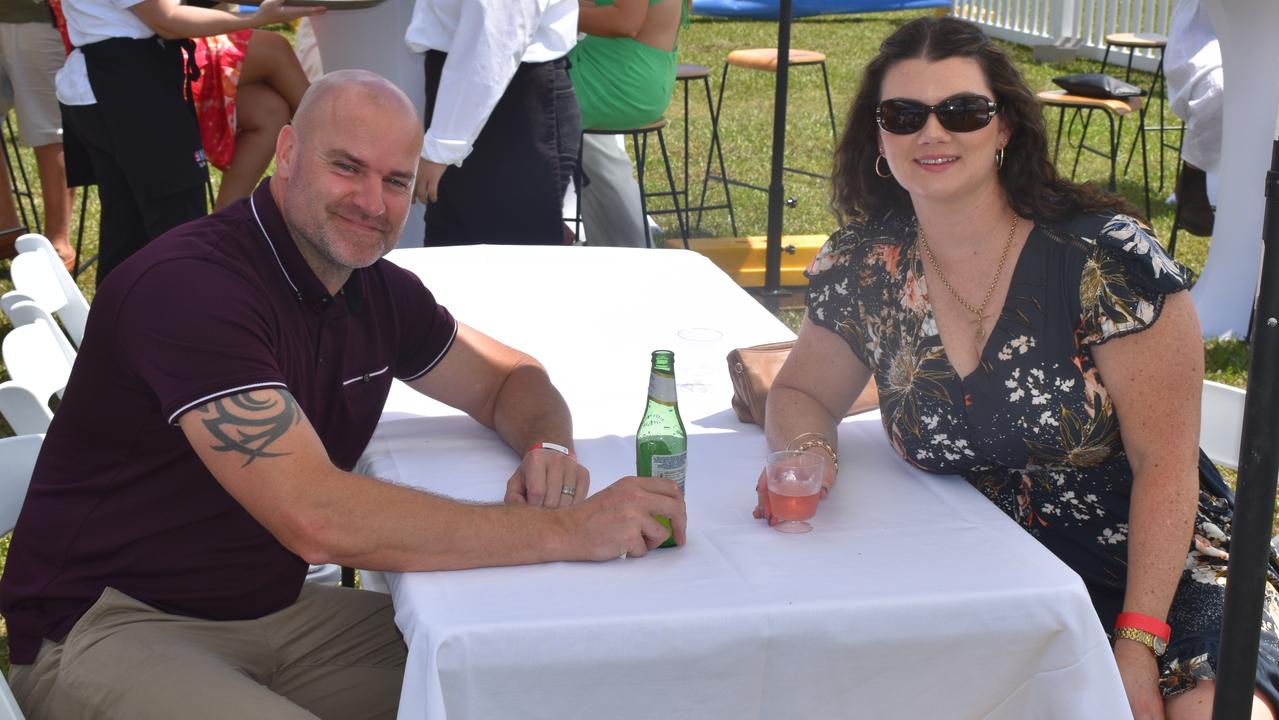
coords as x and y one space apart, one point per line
128 127
1196 92
502 123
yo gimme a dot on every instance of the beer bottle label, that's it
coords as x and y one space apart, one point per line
661 387
671 467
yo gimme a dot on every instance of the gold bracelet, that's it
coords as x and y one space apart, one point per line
817 441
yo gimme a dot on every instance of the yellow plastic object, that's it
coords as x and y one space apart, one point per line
743 257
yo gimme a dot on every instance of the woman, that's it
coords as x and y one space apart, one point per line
623 72
1010 319
250 85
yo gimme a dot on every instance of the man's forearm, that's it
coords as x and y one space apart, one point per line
364 522
528 409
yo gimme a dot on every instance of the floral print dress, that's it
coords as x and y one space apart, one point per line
1032 427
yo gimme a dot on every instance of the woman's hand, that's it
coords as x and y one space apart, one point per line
1140 673
762 508
275 11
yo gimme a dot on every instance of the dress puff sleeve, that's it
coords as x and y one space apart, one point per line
1124 280
838 284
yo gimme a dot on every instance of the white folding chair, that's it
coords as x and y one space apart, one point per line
1221 423
35 359
38 273
23 409
22 310
17 460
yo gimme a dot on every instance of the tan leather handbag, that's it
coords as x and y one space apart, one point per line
753 370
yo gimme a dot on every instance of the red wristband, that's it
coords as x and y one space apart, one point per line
1145 623
551 446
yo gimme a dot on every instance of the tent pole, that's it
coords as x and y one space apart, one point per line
776 190
1258 469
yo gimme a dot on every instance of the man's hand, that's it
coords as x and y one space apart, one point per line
1140 673
428 180
548 478
619 520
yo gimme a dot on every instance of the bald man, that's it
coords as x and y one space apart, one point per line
231 374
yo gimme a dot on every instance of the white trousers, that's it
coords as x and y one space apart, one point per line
611 212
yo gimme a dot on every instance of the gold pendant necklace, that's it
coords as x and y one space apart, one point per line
979 313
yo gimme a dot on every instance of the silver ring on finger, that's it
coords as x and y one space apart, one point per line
568 490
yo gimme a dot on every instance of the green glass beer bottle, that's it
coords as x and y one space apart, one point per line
661 445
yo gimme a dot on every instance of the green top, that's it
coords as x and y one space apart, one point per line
25 11
621 83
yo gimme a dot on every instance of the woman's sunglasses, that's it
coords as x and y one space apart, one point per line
961 113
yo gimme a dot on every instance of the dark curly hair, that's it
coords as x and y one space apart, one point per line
1028 177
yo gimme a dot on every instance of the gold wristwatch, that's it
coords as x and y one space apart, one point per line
1154 642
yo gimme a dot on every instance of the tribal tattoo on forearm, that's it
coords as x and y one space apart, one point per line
249 422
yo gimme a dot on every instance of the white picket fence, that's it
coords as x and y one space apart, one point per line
1081 23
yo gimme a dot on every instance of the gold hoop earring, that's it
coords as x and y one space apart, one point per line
999 158
888 173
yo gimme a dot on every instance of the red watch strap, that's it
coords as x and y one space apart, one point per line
551 446
1156 627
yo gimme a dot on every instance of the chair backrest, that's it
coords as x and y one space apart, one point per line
24 410
34 358
1221 423
17 460
49 284
22 310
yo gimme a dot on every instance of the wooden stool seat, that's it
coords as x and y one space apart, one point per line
1061 98
657 124
1137 40
685 71
766 58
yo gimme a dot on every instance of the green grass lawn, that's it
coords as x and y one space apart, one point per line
746 131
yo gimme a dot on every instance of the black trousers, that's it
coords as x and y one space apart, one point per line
141 143
510 189
130 218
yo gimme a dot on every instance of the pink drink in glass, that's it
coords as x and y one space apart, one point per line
794 488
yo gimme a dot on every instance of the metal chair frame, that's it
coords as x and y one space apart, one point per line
18 180
1115 131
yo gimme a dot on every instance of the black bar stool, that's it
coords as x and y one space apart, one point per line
765 59
1133 42
685 74
639 144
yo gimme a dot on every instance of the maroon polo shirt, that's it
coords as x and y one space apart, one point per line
215 307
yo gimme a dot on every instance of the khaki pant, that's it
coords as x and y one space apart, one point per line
335 653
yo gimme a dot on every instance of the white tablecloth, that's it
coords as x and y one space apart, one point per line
912 598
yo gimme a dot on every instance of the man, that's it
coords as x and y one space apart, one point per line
30 55
1196 93
502 122
231 374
